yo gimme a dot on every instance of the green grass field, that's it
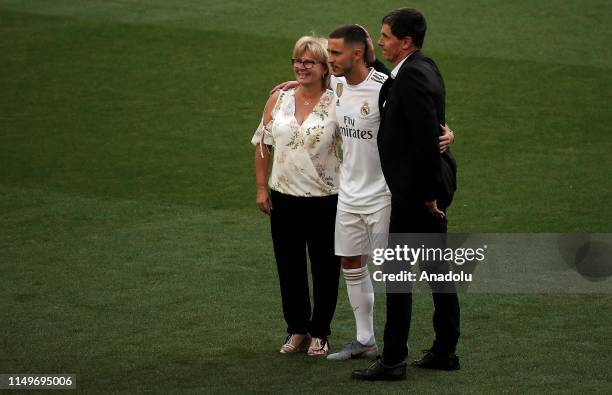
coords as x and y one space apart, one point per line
131 249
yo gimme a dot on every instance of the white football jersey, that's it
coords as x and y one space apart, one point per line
363 189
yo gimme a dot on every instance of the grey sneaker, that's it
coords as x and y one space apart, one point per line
354 349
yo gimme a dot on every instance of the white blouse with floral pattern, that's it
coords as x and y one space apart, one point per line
306 157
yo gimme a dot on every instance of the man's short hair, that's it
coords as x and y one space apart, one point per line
407 22
352 34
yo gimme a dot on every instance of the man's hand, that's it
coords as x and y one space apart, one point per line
447 138
433 208
370 54
263 200
284 86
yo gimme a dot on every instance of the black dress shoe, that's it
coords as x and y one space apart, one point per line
378 371
431 361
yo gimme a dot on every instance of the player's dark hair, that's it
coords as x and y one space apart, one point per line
352 34
407 22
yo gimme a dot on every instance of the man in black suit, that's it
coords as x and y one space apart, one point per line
422 183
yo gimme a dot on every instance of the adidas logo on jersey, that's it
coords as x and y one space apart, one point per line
378 77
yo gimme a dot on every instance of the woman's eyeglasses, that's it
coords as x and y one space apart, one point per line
307 64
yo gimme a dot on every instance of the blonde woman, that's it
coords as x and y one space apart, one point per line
300 195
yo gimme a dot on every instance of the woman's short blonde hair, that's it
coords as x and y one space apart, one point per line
317 46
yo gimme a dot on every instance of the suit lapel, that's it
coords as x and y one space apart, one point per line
384 94
385 90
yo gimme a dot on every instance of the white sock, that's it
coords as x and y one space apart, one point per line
361 296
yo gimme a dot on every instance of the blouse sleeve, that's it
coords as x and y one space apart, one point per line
263 134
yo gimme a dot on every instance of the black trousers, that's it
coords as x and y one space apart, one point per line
415 218
301 224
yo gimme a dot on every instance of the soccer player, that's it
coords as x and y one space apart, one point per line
364 201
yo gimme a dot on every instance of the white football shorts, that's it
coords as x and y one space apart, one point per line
360 234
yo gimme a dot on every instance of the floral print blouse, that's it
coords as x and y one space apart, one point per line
306 157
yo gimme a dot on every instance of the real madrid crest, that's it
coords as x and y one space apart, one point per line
339 88
365 109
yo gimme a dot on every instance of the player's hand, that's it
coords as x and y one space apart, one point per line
447 138
284 86
371 55
432 206
263 200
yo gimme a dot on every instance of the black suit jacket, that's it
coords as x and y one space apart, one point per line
412 107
